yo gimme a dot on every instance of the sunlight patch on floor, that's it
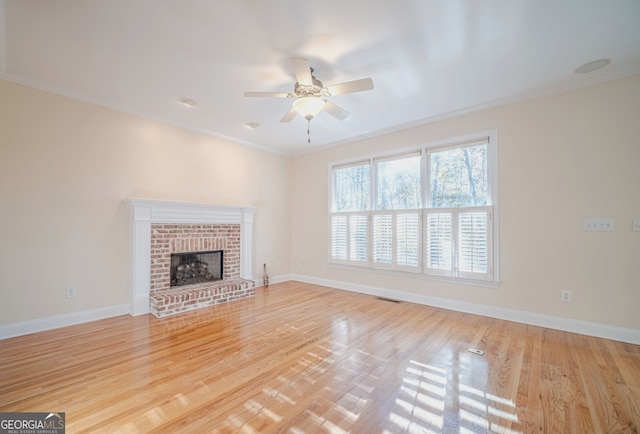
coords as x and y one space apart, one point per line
422 400
156 416
255 408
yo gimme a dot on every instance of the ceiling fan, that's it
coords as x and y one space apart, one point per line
311 95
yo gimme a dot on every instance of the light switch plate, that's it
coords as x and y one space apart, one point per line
636 225
599 225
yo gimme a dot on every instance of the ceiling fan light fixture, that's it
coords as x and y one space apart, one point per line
309 106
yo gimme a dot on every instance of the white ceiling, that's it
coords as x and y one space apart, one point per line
428 58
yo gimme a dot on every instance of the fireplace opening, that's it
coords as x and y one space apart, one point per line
195 267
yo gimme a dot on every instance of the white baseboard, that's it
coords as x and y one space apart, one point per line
605 331
631 336
273 280
140 306
54 322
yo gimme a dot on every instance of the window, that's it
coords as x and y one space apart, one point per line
458 228
350 219
458 175
351 187
426 211
398 181
396 219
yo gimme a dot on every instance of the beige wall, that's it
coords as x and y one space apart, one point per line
562 158
65 168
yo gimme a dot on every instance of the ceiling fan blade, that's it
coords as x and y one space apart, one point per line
302 71
289 116
335 111
269 94
351 86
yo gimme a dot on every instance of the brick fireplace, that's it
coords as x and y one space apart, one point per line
162 228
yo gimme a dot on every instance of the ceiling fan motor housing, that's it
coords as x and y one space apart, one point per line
314 90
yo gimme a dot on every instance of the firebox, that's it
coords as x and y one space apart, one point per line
196 267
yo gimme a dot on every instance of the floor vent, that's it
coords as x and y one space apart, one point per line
388 299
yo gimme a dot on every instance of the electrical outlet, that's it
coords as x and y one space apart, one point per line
71 293
565 296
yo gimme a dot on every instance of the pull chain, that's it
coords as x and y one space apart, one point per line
308 128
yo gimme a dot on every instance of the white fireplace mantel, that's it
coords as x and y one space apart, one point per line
148 211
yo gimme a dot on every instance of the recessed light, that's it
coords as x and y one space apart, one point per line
252 125
592 66
188 102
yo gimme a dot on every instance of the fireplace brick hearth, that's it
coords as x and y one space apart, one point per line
180 238
182 299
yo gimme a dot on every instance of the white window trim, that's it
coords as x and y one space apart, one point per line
492 198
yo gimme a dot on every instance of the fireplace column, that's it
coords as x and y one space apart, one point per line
141 261
246 239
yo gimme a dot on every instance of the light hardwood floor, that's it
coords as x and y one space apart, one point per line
300 358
